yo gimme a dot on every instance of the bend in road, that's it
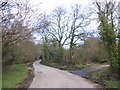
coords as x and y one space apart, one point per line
48 77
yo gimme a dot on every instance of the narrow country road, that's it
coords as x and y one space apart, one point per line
48 77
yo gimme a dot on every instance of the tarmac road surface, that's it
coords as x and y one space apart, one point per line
48 77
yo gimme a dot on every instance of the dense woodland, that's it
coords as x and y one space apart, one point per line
19 24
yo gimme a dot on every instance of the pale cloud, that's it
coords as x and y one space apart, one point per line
48 5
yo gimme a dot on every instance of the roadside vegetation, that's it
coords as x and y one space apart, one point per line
62 39
106 78
64 67
16 74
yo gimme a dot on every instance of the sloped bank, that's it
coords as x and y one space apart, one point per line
106 78
102 76
88 73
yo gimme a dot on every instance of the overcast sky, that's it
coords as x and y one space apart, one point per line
47 7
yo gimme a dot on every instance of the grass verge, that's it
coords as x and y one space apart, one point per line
16 74
65 67
106 78
0 81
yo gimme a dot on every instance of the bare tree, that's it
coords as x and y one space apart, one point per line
3 3
67 27
58 28
79 20
14 26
